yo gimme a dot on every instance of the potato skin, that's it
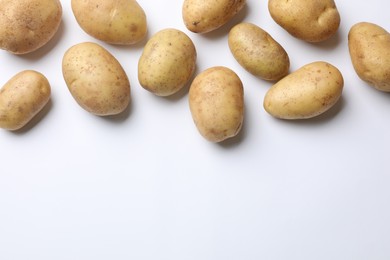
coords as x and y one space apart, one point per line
27 25
305 93
167 62
202 16
121 22
21 98
258 52
96 79
369 49
216 102
309 20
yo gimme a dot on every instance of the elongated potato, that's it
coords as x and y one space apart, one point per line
22 97
120 22
258 52
308 20
369 48
27 25
96 79
202 16
305 93
216 101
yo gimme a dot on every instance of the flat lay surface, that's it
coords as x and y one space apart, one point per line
145 184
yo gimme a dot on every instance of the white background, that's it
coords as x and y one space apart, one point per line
146 185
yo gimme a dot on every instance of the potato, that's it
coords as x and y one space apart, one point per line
308 20
216 101
305 93
21 98
167 62
202 16
369 48
27 25
96 79
121 22
258 52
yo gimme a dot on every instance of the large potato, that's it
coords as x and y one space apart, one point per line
309 20
258 52
26 25
216 101
167 62
120 22
369 48
305 93
96 79
21 98
202 16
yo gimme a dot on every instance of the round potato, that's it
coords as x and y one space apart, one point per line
167 62
202 16
308 20
27 25
216 101
305 93
121 22
21 98
258 52
369 48
96 79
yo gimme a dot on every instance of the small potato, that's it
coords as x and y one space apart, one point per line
216 101
202 16
96 79
308 20
258 52
167 62
27 25
369 48
121 22
21 98
305 93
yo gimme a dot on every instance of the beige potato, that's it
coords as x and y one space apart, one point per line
27 25
167 62
258 52
369 48
305 93
309 20
216 101
21 98
202 16
121 22
96 79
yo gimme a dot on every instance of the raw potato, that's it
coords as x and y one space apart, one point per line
27 25
369 48
305 93
216 101
21 98
167 62
202 16
258 52
309 20
120 22
96 79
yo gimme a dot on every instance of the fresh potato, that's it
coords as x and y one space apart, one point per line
305 93
26 25
309 20
216 101
167 62
258 52
96 79
120 22
202 16
369 48
21 98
